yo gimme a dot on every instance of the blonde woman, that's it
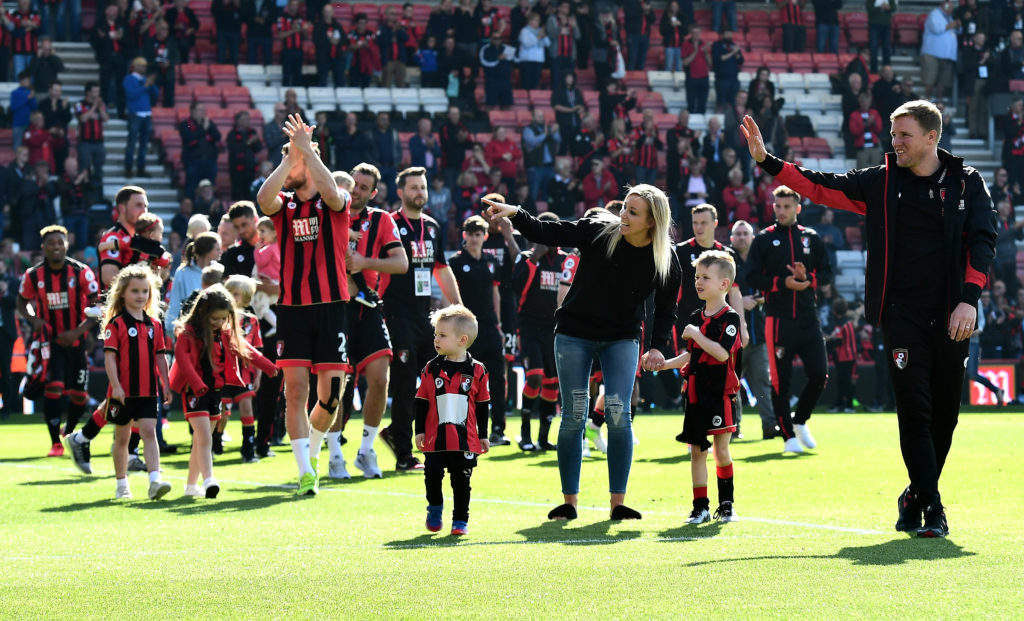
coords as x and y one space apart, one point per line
622 260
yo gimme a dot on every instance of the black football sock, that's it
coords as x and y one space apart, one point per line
92 427
597 417
133 441
75 413
526 414
725 487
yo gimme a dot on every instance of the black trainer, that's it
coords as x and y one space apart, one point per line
910 509
385 435
527 445
724 512
935 524
409 463
544 445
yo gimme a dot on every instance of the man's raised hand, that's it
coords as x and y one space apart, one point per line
755 143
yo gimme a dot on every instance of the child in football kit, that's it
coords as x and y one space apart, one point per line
242 289
452 405
206 358
134 358
364 294
712 338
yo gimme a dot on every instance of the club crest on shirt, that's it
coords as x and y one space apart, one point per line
106 335
403 356
133 332
942 194
439 383
280 348
292 205
71 282
900 357
780 352
192 402
466 381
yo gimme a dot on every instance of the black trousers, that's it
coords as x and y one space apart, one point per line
927 369
844 376
267 397
412 341
787 339
489 349
460 471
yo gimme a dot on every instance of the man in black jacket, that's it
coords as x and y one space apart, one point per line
931 234
787 263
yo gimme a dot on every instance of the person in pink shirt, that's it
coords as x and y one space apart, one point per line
268 268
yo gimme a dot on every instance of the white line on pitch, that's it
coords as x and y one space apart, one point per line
501 501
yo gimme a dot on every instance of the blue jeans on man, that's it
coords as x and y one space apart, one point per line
673 59
228 44
140 128
636 54
717 7
196 171
537 178
828 38
261 46
880 35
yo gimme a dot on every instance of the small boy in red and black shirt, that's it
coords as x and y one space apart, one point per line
842 343
452 405
712 339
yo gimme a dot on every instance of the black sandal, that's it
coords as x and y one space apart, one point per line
622 512
562 512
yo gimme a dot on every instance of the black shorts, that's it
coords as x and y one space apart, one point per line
206 405
235 394
313 336
368 335
449 460
69 368
709 417
134 408
538 348
412 340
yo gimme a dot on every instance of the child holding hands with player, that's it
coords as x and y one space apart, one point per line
452 405
712 338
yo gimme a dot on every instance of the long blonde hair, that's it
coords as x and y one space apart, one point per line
661 245
115 296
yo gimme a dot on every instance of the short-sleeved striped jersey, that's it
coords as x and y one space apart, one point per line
313 240
60 296
137 342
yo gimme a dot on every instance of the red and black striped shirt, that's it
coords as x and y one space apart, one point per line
712 381
88 130
379 236
25 41
60 296
846 343
536 281
136 26
452 404
284 24
647 151
792 13
5 35
313 240
122 255
137 343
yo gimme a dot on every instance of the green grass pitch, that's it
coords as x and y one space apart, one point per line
815 538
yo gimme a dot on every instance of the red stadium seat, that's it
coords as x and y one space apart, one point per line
651 100
184 95
224 75
817 147
801 63
853 238
776 61
164 118
236 96
192 73
826 63
636 80
209 95
906 29
540 98
503 118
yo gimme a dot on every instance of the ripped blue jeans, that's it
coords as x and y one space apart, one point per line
573 359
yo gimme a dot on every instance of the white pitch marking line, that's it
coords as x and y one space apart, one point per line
518 503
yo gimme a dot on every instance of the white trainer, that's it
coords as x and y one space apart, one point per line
792 446
336 468
194 490
586 447
805 436
699 516
123 492
594 433
158 489
367 462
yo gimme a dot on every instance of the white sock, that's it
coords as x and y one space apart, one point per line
369 435
208 480
154 475
334 444
122 483
300 449
316 442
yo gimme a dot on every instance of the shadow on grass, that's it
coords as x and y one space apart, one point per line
689 532
105 502
426 540
562 531
515 456
187 505
47 482
885 554
669 459
773 456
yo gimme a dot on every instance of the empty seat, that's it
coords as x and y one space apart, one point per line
252 74
792 83
224 75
